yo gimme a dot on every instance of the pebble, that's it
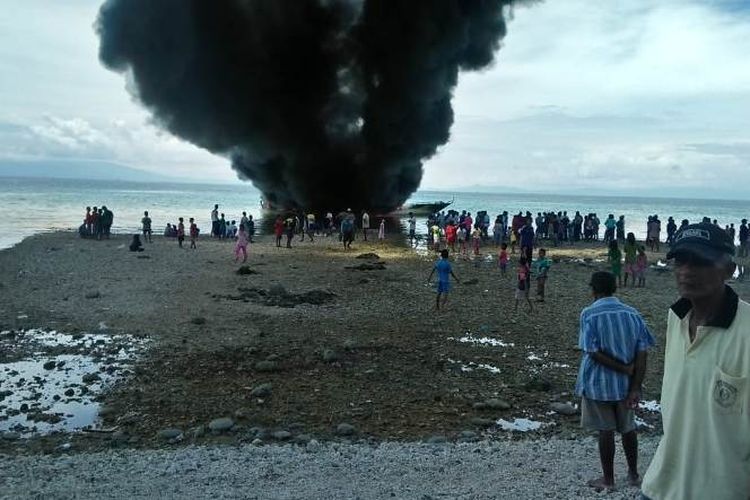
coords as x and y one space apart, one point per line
90 378
467 435
266 366
262 390
345 429
482 422
257 442
49 365
281 435
93 295
497 404
564 408
330 356
221 424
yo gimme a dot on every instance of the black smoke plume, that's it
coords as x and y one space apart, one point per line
320 103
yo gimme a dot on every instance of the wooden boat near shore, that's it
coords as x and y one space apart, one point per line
423 209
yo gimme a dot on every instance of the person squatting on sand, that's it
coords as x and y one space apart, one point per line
135 244
613 338
444 272
705 394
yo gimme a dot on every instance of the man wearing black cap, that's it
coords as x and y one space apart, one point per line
705 398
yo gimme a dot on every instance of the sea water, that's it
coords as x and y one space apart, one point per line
31 206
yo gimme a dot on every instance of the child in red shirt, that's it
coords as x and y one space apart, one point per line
502 258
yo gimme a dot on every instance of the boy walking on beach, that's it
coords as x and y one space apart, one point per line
444 271
614 339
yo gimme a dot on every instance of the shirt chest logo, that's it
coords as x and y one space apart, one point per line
725 394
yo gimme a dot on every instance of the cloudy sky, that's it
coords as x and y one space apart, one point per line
636 97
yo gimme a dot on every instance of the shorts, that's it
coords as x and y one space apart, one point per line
607 416
443 286
520 294
630 269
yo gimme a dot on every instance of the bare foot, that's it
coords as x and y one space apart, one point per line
601 484
634 480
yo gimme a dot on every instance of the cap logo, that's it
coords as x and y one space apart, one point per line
693 233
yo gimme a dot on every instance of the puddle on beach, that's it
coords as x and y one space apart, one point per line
471 366
520 425
52 380
652 406
469 339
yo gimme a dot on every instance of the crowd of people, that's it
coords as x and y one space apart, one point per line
307 225
97 223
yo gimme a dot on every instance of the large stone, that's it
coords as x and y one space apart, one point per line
467 435
482 422
221 424
49 365
345 429
266 366
169 434
281 435
564 408
93 295
497 404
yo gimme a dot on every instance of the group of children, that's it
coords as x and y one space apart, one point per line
636 261
540 267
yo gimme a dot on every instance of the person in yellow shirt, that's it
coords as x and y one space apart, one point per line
705 398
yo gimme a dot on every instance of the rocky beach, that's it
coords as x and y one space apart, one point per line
173 349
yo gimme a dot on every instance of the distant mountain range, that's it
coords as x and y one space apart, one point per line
77 169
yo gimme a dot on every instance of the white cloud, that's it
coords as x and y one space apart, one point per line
607 94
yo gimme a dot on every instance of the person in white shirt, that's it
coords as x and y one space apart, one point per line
215 221
365 224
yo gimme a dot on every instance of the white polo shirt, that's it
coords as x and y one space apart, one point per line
705 400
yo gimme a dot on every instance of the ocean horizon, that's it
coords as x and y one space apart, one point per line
30 206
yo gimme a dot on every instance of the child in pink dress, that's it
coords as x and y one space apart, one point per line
241 246
641 263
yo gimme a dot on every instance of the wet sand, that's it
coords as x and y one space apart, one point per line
337 345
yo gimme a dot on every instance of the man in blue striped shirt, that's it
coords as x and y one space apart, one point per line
614 339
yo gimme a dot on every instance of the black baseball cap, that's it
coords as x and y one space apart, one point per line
705 240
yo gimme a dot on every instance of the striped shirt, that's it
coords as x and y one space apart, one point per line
614 329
